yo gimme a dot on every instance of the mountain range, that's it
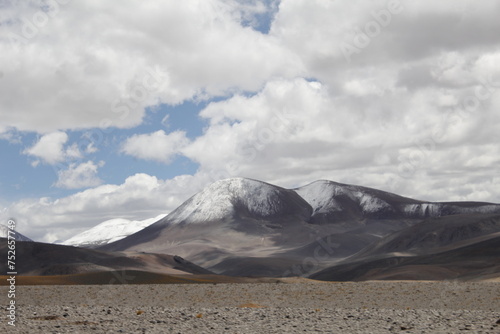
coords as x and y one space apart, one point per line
246 227
324 230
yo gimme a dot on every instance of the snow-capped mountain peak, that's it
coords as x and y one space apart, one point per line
320 195
110 231
324 196
224 198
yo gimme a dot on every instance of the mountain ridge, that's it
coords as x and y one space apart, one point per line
271 229
328 200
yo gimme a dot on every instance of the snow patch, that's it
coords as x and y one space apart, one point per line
423 209
438 209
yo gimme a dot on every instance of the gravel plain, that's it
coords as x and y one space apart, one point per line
306 307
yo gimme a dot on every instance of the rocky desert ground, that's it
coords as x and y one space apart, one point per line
291 306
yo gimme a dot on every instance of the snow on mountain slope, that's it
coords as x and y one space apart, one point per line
349 201
110 231
324 195
320 195
423 209
4 230
224 198
441 209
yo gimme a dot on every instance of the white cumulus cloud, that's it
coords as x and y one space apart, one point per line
101 65
157 146
78 176
50 148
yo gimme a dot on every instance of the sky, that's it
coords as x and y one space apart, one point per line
125 111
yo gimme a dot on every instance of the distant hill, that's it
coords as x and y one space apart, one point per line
4 230
41 259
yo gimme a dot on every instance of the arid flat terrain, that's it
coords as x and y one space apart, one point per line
298 306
